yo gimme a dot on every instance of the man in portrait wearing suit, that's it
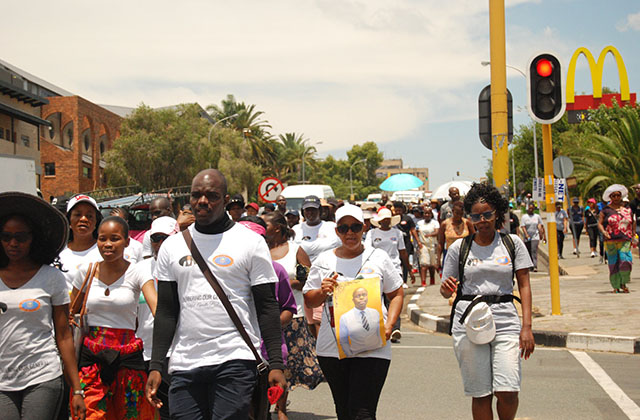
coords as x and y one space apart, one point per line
360 327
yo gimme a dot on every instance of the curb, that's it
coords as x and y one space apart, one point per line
573 341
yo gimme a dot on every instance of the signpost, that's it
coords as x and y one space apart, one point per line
269 189
563 168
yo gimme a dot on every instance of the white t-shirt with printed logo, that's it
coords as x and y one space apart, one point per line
118 309
133 253
205 335
371 263
316 239
391 241
72 260
28 351
488 271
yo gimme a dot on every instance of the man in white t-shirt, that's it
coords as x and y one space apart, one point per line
532 229
213 371
158 207
315 235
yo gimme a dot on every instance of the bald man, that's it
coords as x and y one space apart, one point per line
360 327
446 210
213 370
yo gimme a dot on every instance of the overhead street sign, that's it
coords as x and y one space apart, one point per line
269 189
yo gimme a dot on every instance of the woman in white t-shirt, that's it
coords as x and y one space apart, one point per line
488 338
355 394
112 369
302 368
34 305
84 217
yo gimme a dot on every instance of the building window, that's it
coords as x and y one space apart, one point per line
86 171
25 140
1 133
67 135
87 142
102 148
50 169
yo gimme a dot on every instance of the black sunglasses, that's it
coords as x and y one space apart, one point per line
21 237
355 228
487 215
158 237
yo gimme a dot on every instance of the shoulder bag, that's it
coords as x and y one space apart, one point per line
78 315
259 401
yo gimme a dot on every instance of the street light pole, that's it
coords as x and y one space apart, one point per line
535 140
218 122
351 176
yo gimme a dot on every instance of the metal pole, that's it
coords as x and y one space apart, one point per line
513 167
499 125
303 153
351 181
552 234
535 148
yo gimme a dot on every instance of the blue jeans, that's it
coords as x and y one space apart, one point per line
37 402
213 392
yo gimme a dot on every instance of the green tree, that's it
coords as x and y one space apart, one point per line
291 149
614 158
159 148
365 181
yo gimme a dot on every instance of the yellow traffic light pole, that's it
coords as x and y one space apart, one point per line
552 234
499 116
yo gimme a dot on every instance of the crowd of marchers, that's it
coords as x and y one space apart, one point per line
226 305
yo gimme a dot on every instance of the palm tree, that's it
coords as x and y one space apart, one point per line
615 159
292 150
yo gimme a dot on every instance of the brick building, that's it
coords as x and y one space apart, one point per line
390 167
72 150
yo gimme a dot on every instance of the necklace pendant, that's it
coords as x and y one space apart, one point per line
107 292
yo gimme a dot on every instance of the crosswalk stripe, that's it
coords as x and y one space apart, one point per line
626 404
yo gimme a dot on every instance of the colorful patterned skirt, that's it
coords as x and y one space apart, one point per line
123 397
302 363
620 260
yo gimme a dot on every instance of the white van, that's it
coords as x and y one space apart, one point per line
295 194
408 196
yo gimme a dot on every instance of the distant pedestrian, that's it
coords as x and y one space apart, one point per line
577 224
446 210
428 235
490 341
532 232
591 222
235 207
252 209
452 229
514 223
617 225
281 204
410 236
562 218
159 207
293 217
635 208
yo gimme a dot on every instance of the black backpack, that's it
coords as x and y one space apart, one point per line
465 247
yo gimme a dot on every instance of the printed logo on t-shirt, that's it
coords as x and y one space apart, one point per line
377 240
186 261
366 270
473 262
306 238
222 260
29 305
503 260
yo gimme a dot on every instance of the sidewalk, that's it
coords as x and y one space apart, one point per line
592 317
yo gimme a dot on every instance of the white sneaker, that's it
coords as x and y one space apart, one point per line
405 286
574 251
593 255
396 335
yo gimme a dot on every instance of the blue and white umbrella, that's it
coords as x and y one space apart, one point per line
400 182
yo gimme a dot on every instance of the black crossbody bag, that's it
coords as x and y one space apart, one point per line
259 401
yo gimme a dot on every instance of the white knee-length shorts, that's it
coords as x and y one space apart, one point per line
489 368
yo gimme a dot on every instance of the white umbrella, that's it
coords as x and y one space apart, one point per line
442 192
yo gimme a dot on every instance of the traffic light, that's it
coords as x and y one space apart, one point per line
546 94
484 116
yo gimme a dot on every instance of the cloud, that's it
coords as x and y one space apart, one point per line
632 23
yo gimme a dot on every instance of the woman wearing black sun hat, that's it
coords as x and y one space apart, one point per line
35 301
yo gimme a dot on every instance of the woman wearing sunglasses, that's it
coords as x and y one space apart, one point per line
34 327
618 228
489 347
356 382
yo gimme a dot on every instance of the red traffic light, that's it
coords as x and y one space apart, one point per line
544 67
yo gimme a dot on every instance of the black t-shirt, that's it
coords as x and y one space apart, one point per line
513 222
405 226
576 214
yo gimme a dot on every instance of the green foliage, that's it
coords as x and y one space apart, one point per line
159 148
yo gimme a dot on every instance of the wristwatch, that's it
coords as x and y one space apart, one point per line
79 392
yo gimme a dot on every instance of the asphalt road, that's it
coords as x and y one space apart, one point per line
424 383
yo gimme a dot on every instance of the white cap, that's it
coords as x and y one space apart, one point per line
349 210
81 198
481 329
385 213
165 224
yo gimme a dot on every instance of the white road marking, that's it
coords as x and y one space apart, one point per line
414 298
420 289
626 404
